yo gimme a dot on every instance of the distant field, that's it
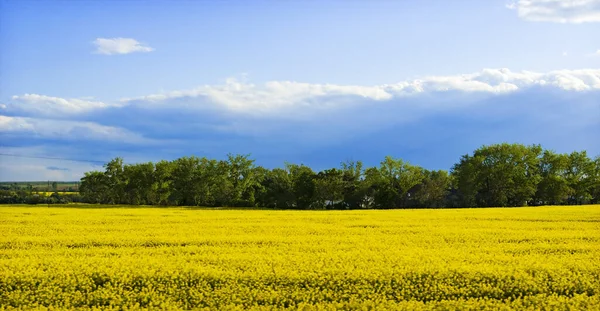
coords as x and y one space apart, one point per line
60 186
177 258
49 193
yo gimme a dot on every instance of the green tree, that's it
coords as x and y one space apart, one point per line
494 175
595 182
115 180
139 180
161 183
433 191
276 189
579 175
329 187
465 182
553 187
186 184
354 187
241 175
221 186
304 187
95 188
391 183
498 175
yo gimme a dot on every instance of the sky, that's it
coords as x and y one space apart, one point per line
311 82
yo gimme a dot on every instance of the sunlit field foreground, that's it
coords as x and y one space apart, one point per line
176 258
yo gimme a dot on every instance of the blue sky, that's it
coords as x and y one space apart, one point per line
316 82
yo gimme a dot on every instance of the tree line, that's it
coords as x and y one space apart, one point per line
494 175
39 192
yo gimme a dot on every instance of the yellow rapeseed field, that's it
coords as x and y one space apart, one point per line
176 258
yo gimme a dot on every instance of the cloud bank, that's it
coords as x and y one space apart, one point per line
430 121
558 11
41 105
112 46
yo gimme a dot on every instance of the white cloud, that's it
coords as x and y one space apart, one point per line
289 99
276 96
593 54
558 11
288 118
65 130
14 124
111 46
53 106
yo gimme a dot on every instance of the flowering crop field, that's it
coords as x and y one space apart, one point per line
216 259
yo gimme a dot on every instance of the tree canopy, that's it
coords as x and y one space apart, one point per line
494 175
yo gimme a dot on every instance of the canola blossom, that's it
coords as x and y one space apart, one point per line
85 258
